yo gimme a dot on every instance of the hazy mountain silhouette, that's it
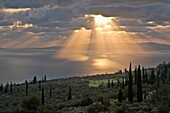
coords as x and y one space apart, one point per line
146 45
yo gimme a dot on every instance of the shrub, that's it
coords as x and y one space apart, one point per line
86 101
103 100
96 108
31 103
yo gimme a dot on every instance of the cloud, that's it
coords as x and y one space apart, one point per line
53 21
35 3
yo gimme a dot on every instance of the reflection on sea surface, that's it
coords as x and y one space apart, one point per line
19 65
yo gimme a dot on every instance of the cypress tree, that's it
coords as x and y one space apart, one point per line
139 86
126 81
39 82
146 77
158 82
123 83
135 75
42 96
165 69
158 79
112 84
158 72
45 79
118 83
169 75
152 77
145 95
34 80
143 74
120 96
11 91
1 88
50 91
130 90
69 94
26 88
163 77
108 83
6 88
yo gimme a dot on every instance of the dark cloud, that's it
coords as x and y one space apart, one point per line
53 19
35 3
136 12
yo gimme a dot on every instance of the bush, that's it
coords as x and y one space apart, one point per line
103 100
96 108
120 110
86 101
31 103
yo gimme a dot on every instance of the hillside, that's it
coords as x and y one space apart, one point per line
91 94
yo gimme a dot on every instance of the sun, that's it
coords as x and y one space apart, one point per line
99 19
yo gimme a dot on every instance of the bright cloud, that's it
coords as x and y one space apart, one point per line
14 10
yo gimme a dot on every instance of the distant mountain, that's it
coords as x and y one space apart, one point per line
120 46
155 46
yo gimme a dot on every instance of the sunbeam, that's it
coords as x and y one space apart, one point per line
105 37
75 48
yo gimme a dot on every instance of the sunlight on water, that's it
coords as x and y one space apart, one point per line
102 63
17 65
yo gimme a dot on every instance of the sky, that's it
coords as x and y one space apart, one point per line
48 23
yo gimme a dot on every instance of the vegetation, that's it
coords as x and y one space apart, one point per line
139 86
130 83
116 92
42 96
31 103
69 94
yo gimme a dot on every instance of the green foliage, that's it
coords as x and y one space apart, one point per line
112 84
139 86
76 103
39 84
96 108
123 83
26 88
50 91
120 95
42 96
86 101
69 94
120 110
130 91
146 77
99 98
135 78
6 88
118 83
45 78
169 76
11 90
143 74
108 84
31 103
152 78
34 80
1 88
105 101
164 106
